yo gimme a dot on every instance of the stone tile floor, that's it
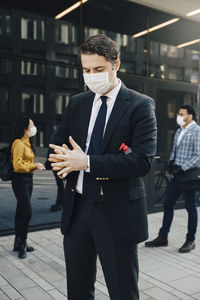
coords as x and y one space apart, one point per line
165 274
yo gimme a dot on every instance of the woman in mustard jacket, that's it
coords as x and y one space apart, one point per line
22 180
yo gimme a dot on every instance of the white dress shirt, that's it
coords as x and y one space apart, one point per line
182 133
112 95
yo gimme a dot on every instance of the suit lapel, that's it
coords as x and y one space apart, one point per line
119 108
186 132
85 113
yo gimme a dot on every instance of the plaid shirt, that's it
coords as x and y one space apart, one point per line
188 150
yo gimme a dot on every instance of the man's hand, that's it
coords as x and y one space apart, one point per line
65 160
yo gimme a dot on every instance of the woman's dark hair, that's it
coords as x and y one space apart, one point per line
102 45
190 110
21 124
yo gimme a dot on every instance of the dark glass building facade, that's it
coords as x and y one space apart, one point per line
40 69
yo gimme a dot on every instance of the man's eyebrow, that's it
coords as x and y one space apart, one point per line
93 68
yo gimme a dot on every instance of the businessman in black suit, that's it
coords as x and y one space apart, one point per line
104 210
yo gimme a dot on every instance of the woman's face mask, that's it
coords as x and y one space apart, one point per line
32 131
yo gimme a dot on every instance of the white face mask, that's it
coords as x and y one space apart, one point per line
180 121
98 82
32 131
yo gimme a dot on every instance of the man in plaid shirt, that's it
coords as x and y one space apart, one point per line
185 155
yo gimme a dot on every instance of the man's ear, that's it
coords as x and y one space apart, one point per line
117 64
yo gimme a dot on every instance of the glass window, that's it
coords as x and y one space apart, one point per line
175 74
32 29
4 130
31 68
32 103
5 65
41 138
74 37
4 99
62 72
5 25
61 103
75 73
171 109
62 33
163 49
154 48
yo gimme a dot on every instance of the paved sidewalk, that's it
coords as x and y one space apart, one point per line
165 274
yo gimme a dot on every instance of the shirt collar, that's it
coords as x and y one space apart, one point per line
112 94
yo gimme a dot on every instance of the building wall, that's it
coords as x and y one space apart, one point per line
40 69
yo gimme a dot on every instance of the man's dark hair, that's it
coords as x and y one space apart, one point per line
190 110
102 45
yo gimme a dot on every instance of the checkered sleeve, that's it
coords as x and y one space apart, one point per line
195 160
174 145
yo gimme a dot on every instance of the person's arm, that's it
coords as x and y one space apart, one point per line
137 163
19 164
143 143
195 160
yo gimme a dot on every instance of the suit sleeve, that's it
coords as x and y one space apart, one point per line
143 143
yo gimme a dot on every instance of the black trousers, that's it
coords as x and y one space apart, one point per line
89 234
22 185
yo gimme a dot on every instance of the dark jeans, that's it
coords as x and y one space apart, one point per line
22 185
89 234
191 201
60 189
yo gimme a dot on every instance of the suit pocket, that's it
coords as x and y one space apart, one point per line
137 193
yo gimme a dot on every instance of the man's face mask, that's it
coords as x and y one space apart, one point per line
180 120
98 82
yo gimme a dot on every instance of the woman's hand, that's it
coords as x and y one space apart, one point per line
40 166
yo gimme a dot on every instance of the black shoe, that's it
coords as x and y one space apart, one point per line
187 246
158 242
22 251
56 207
17 245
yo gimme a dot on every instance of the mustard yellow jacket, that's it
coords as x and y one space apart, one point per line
22 156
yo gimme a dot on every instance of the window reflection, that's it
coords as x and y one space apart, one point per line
5 65
31 68
32 29
5 24
4 99
32 103
61 103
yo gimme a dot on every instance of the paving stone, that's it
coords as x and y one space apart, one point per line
11 292
159 294
35 293
189 285
167 274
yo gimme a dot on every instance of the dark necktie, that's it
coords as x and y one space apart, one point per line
91 187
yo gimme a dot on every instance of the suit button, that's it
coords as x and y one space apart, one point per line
72 190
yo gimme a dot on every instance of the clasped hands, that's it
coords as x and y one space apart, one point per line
66 160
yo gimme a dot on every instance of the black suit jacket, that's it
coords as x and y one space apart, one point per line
133 122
